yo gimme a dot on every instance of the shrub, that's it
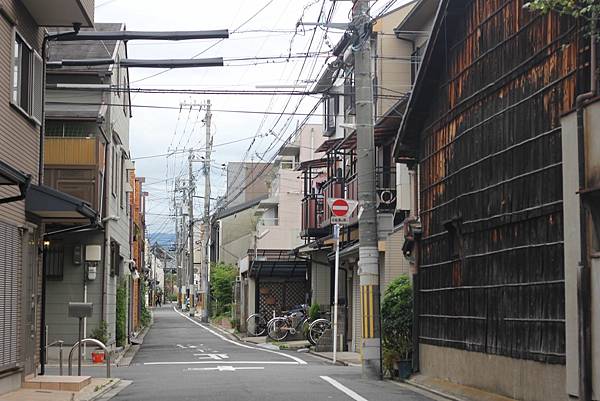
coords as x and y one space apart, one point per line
397 320
314 312
222 280
121 324
100 333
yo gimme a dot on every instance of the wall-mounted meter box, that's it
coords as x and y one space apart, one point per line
91 272
77 256
93 253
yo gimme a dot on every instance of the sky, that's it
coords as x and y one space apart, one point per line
263 34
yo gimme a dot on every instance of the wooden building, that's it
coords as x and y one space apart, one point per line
482 128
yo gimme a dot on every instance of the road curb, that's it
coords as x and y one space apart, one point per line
323 357
110 391
96 395
134 348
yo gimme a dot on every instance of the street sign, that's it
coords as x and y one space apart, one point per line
341 210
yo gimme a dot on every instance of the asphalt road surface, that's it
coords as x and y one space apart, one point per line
183 359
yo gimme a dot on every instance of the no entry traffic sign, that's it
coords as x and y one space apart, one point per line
341 209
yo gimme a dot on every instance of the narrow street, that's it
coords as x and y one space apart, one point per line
185 360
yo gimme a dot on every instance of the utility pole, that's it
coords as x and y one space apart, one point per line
207 190
177 244
191 192
368 269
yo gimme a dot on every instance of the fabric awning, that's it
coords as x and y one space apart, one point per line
53 206
10 176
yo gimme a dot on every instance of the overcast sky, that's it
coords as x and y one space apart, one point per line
155 131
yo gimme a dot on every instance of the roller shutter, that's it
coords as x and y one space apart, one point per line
10 269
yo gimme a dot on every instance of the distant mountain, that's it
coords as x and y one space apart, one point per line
162 239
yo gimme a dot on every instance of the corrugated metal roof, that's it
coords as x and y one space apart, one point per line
85 49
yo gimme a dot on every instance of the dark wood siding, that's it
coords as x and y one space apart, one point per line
491 276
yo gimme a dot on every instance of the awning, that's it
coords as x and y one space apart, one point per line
276 263
315 163
9 176
328 145
53 206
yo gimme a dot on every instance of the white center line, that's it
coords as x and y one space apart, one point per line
227 368
229 362
343 388
298 360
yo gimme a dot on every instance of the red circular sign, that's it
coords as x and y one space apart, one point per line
340 207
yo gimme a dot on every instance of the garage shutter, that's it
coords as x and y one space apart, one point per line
10 268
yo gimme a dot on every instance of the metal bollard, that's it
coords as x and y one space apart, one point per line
60 357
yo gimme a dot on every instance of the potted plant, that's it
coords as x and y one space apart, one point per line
396 324
100 333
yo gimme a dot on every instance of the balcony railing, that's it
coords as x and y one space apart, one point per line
73 166
71 151
312 216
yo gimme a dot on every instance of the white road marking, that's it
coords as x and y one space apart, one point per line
231 362
298 360
228 368
343 388
216 357
191 346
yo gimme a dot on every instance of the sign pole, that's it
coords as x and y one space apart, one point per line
336 233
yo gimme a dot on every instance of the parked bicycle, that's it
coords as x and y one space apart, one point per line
296 321
256 325
316 330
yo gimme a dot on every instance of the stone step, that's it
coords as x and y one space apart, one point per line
58 383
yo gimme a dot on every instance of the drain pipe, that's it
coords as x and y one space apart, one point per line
584 315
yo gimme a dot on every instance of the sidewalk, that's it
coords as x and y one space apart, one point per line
453 391
98 388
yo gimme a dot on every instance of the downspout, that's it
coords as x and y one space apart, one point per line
584 289
414 217
105 195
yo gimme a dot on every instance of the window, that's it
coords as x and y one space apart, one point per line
331 112
115 258
69 129
415 61
349 94
27 79
122 181
54 258
115 170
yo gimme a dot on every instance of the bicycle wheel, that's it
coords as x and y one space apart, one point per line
256 325
316 330
278 329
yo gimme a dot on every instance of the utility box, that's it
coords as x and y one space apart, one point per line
80 309
93 253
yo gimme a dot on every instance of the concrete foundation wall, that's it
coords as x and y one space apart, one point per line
10 383
515 378
572 246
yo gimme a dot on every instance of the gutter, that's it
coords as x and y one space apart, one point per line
584 287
